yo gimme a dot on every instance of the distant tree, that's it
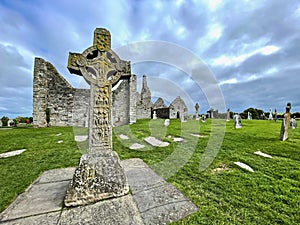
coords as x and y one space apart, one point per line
4 120
296 114
255 113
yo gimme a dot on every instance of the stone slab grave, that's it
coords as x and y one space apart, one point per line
244 166
155 142
263 154
153 201
12 153
135 146
81 138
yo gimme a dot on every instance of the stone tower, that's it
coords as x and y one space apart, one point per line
144 104
145 93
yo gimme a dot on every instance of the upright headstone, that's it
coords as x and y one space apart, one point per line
228 115
237 121
99 174
275 114
10 123
197 111
154 115
270 115
249 116
167 122
1 123
293 122
285 123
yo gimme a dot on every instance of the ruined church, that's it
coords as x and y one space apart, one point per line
57 103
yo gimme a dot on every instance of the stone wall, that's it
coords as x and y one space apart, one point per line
69 106
178 109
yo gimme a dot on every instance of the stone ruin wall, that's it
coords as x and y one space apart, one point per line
69 106
178 109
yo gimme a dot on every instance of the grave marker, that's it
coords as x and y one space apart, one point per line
99 174
285 123
197 111
237 121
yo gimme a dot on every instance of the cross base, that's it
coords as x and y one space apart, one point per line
98 176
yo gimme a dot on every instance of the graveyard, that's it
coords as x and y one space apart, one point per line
125 160
224 193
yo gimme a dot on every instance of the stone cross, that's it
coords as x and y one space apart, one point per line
197 110
99 174
228 115
285 123
101 68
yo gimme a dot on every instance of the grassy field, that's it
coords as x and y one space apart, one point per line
223 192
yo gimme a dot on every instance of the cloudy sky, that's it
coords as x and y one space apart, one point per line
250 49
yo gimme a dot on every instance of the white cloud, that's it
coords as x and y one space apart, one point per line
268 50
213 4
230 81
212 35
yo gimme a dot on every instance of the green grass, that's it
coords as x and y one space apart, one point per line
229 195
42 153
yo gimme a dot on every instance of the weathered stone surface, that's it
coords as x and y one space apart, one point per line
155 201
136 146
81 138
12 153
158 196
69 106
284 131
158 201
178 139
140 176
47 196
121 210
123 136
56 175
159 104
155 142
43 219
178 109
98 176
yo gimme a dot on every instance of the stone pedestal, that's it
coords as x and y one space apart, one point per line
98 176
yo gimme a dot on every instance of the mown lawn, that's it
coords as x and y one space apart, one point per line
205 173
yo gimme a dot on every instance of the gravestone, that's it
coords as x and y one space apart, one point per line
237 121
167 122
228 115
197 111
99 174
275 114
10 123
285 123
154 115
293 123
1 123
270 115
249 116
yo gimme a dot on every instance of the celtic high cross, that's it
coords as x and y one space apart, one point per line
101 68
99 174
